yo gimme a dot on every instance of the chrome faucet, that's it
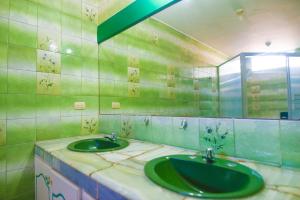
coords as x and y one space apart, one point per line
112 137
209 155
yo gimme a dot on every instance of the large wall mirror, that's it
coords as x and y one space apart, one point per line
238 58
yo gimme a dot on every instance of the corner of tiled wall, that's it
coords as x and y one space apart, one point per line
48 60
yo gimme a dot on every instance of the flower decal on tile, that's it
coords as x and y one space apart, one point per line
90 13
126 128
49 40
171 93
89 125
133 75
48 84
133 62
133 90
214 137
2 132
48 62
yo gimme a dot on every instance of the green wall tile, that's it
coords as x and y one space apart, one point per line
3 55
4 8
71 25
23 11
89 49
290 142
55 4
90 67
48 105
48 128
3 106
110 123
71 65
20 106
161 129
21 82
71 126
185 137
106 88
92 105
17 159
141 128
3 30
23 58
20 131
49 18
2 159
220 129
2 185
258 140
70 85
3 80
72 7
19 183
2 133
67 106
71 45
89 87
22 34
89 32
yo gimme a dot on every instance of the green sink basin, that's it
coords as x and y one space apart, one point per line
192 176
97 145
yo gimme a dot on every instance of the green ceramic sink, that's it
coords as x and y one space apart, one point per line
193 176
97 145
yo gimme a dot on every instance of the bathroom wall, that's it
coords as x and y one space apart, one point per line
272 142
48 60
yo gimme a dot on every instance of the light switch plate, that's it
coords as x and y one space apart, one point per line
79 105
115 105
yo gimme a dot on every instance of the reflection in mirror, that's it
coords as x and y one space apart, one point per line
262 80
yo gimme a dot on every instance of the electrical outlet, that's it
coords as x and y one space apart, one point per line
79 105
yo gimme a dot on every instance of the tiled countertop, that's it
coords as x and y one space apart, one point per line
122 171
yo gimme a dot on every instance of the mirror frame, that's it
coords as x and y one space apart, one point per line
134 13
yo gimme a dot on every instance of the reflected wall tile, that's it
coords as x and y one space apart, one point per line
17 159
70 85
49 40
20 106
19 183
20 131
49 18
3 55
185 133
71 25
92 105
71 65
219 130
4 8
21 82
290 142
23 11
2 184
22 34
89 87
71 45
3 106
49 84
47 105
90 67
67 106
3 80
258 140
71 126
22 58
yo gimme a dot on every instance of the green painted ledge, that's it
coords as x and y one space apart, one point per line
136 12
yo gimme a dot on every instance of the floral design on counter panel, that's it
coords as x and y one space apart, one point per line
90 125
126 128
214 138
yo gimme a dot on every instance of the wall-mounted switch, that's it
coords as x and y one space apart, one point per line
79 105
115 105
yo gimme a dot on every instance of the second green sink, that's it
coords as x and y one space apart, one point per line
97 145
193 176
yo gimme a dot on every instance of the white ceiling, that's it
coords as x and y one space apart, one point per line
216 23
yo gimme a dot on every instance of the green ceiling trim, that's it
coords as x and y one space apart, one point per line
134 13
